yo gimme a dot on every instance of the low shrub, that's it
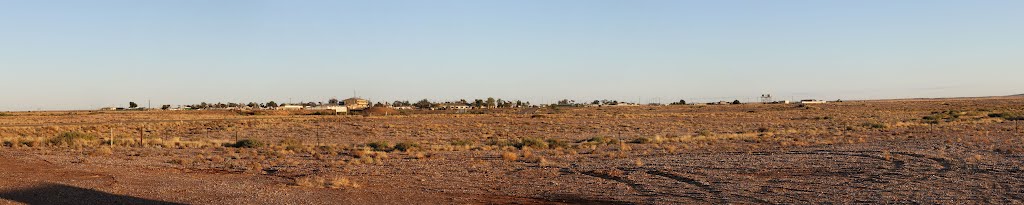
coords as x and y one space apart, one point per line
461 143
245 143
642 140
875 125
380 146
405 146
601 140
943 116
70 138
532 143
1007 116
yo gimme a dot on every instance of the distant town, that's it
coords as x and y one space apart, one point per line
356 104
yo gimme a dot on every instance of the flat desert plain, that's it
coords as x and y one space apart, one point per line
946 151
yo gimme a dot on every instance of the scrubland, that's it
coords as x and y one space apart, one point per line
965 150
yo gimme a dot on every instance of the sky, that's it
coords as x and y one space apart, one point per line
59 55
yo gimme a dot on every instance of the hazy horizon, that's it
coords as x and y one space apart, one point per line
66 55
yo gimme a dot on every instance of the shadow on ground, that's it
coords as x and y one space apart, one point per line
64 194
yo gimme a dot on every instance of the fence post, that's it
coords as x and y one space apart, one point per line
140 137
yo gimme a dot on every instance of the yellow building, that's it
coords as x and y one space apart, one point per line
356 103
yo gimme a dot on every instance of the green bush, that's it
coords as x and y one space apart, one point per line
380 146
532 143
875 125
501 143
556 143
246 143
642 140
405 146
69 138
1007 116
944 116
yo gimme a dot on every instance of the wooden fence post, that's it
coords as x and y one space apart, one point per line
140 137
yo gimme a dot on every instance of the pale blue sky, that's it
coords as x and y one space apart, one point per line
89 54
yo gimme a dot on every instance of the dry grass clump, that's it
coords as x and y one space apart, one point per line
532 143
73 139
510 156
875 125
331 182
705 133
24 142
462 143
599 140
102 151
292 145
649 140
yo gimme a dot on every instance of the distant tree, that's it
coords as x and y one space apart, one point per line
504 103
681 102
423 104
132 105
490 102
565 102
379 104
253 105
165 107
271 104
736 102
596 102
311 104
463 101
478 103
399 103
233 105
333 101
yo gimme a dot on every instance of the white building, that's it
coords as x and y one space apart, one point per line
336 108
291 107
455 106
812 101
